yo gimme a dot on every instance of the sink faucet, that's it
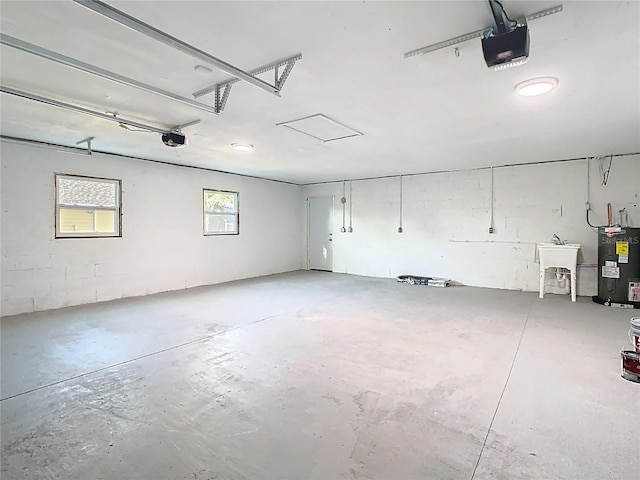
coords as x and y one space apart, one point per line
556 240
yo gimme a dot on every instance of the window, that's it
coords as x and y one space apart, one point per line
87 207
221 215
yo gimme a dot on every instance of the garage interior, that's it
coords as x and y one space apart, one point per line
206 207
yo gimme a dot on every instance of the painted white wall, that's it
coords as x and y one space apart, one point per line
162 247
446 219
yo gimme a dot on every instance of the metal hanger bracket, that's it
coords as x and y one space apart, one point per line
88 142
221 90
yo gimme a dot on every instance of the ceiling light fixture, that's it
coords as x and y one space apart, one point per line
242 147
202 69
536 86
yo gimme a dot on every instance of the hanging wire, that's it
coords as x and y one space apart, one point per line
604 177
605 173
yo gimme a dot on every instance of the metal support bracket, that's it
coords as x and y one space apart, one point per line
221 90
88 142
476 34
178 128
285 74
221 97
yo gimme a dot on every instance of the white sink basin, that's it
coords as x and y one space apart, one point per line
552 255
559 256
553 245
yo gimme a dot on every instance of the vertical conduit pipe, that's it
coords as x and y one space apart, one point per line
350 206
400 226
343 200
586 200
491 223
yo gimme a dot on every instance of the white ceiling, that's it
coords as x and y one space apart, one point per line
426 113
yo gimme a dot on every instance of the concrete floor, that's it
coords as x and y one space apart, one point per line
314 375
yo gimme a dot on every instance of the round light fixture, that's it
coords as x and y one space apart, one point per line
242 147
536 86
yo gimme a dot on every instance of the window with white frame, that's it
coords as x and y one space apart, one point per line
87 207
221 214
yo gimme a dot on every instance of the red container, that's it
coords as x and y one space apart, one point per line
634 333
630 365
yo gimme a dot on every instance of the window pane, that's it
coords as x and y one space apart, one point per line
76 221
221 202
87 207
87 221
105 221
220 223
73 191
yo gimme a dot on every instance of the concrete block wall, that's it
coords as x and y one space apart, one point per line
162 246
446 220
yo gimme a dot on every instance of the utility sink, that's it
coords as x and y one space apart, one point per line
559 256
564 256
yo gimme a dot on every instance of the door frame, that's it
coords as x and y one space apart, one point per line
333 198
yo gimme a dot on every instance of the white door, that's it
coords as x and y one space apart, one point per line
320 233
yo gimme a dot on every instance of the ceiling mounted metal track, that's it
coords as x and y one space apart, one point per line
222 89
476 34
104 116
152 32
93 70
